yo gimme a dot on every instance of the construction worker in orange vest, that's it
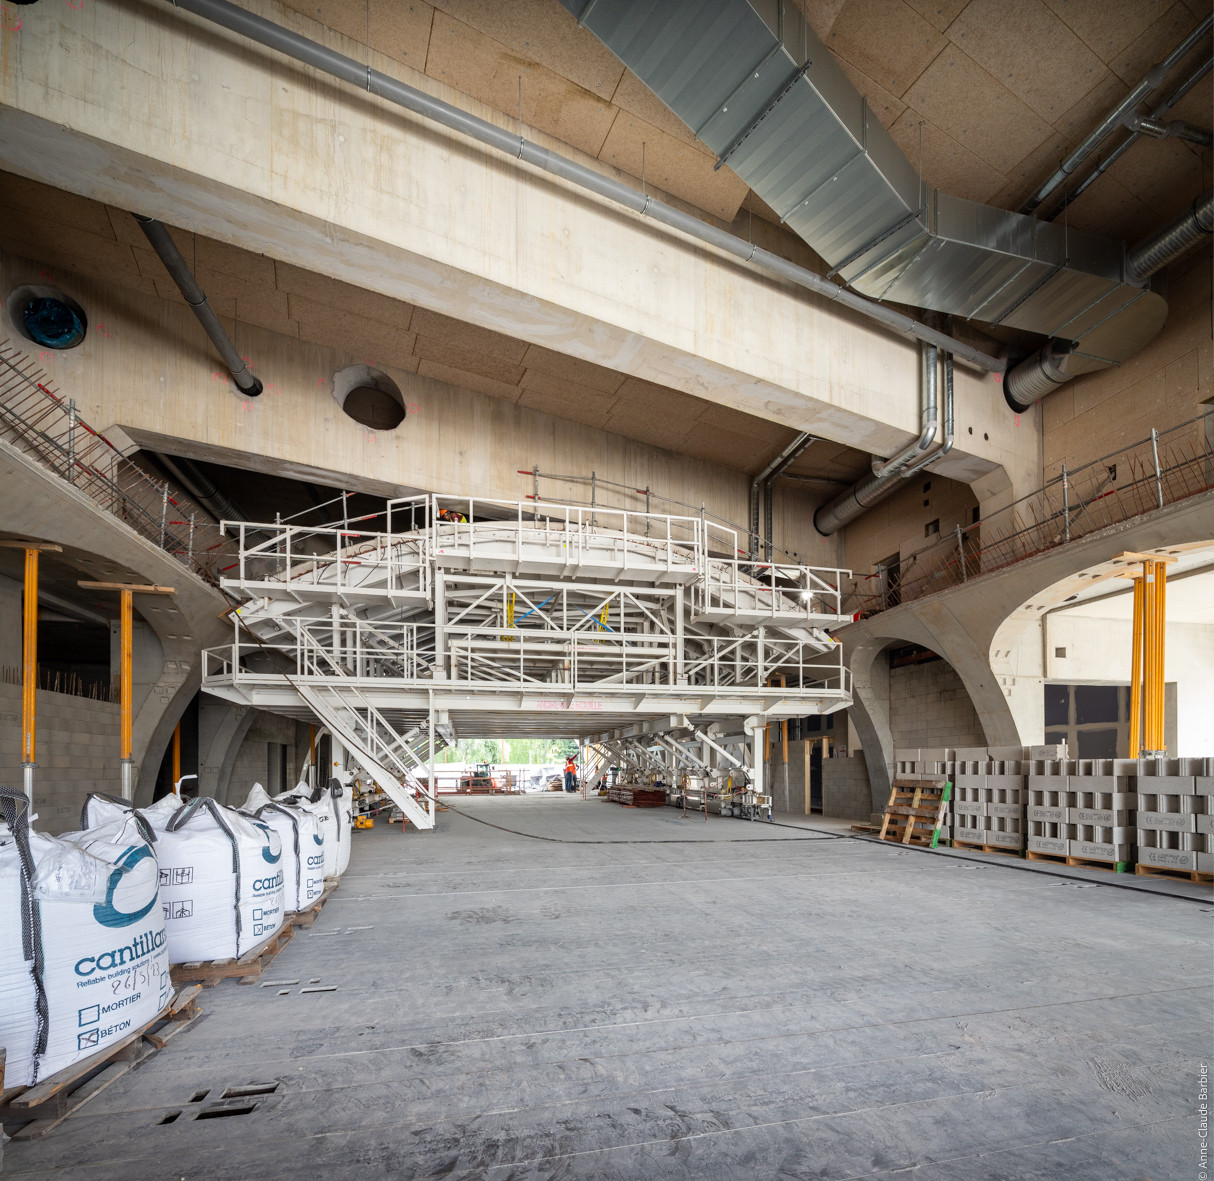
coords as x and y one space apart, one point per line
570 774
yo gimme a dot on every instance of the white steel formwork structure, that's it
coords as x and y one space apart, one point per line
648 637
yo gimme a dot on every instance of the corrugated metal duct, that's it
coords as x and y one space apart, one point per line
772 103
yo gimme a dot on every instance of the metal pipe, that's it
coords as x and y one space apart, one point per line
929 378
946 444
1173 129
778 464
1162 109
162 242
1153 79
799 444
196 482
1036 377
849 505
358 74
1156 250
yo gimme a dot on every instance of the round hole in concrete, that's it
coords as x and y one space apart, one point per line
46 316
369 397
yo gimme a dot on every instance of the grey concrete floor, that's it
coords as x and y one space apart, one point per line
679 999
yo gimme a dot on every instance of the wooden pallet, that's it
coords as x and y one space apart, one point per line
976 847
1177 875
306 917
916 811
44 1106
247 969
1079 862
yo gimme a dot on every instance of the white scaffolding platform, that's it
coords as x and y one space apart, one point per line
645 633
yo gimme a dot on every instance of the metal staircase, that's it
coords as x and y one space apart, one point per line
514 619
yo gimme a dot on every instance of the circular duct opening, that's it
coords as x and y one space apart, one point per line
369 397
47 317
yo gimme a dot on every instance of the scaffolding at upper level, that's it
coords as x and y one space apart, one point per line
491 618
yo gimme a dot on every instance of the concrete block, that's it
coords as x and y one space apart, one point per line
1102 785
1005 781
1103 834
1119 801
908 754
1205 824
1107 817
969 808
1150 802
1048 782
1000 753
1170 821
1158 838
1012 811
1167 858
1005 840
1100 851
1045 814
1053 752
1203 785
1055 846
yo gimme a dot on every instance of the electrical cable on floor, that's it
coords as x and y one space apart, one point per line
825 836
1035 867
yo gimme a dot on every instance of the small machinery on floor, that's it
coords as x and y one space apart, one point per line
725 793
483 780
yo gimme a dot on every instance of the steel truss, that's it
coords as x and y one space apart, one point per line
516 619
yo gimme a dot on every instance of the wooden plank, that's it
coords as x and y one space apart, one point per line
910 828
135 588
893 796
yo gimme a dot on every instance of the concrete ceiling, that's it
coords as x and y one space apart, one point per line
80 235
1002 90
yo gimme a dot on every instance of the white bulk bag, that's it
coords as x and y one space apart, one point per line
341 797
83 959
303 853
221 882
101 808
320 804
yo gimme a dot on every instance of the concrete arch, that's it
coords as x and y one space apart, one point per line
975 627
174 628
870 711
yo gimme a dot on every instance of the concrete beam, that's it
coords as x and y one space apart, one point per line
252 151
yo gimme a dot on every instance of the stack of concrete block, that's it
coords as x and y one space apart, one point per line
1080 809
1048 801
989 797
1170 807
1101 795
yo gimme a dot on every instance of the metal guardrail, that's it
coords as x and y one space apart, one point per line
43 424
1161 469
720 534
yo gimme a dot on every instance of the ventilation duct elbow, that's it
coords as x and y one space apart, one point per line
830 518
762 92
1041 374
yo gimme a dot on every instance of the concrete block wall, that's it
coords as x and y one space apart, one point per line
929 707
77 753
845 788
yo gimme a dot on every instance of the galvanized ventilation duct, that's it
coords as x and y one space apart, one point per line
773 104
